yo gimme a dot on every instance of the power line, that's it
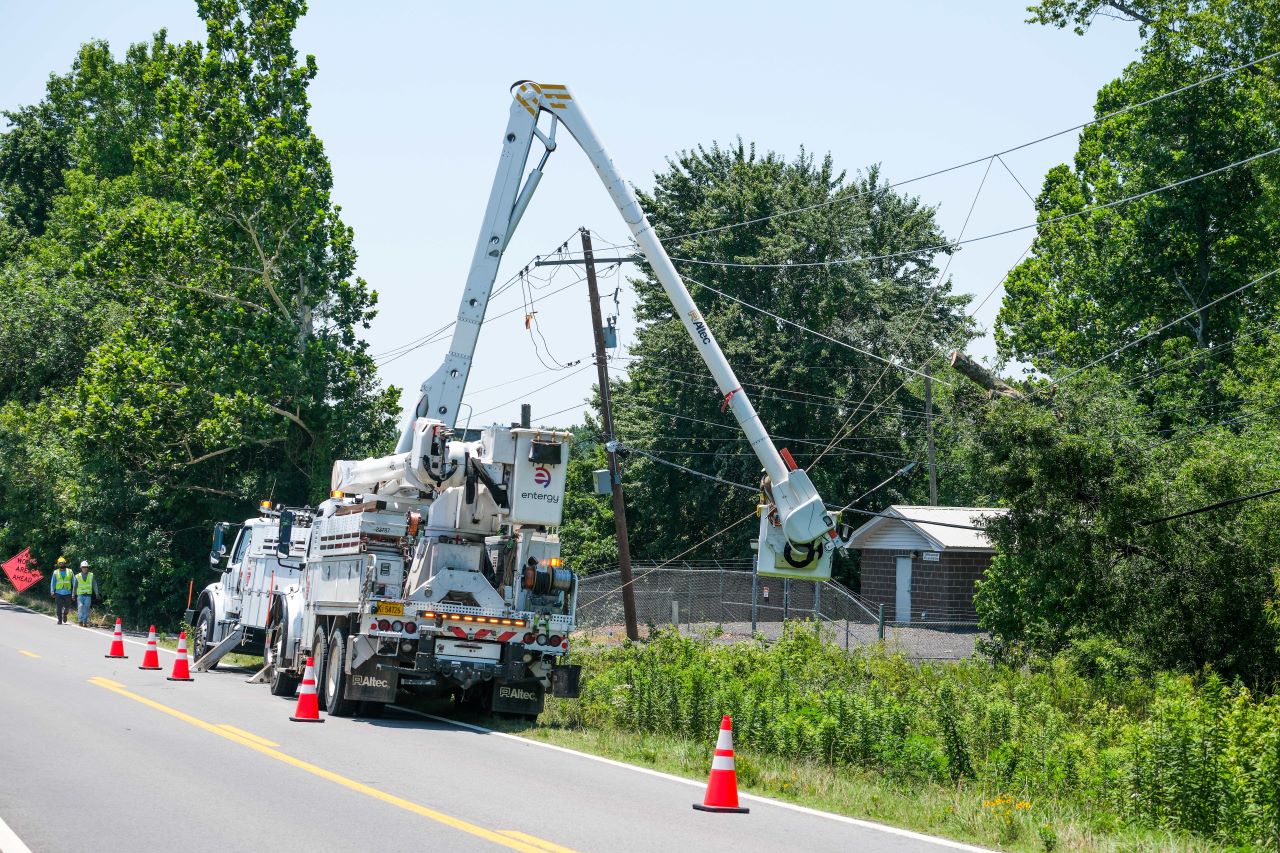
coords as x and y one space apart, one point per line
942 247
735 428
513 381
721 454
1212 506
977 160
534 391
840 404
915 324
804 328
433 337
1152 334
688 550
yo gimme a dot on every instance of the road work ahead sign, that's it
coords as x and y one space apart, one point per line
21 570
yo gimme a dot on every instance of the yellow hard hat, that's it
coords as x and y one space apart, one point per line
62 561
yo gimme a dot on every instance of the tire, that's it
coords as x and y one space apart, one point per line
202 641
284 682
335 678
319 653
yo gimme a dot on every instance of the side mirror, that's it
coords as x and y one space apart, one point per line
285 539
219 549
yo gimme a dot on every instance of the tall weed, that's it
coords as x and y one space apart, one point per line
1177 753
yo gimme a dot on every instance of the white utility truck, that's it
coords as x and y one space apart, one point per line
437 567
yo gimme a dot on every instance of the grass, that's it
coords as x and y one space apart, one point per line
960 812
42 604
1035 758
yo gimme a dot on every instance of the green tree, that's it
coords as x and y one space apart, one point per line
193 315
807 389
1078 556
587 535
1096 281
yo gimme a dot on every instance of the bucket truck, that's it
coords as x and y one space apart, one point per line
437 567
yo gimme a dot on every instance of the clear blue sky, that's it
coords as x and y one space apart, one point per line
411 100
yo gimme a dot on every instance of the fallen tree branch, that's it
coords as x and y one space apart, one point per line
971 370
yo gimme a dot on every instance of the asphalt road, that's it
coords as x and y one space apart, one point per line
96 754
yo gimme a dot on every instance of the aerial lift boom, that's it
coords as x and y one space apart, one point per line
797 533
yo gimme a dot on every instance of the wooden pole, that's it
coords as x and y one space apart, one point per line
606 413
928 421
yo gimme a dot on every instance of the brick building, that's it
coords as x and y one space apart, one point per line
919 569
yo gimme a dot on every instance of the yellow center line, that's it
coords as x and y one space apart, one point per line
540 843
27 653
515 841
248 735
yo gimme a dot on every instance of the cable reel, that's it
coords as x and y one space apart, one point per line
544 579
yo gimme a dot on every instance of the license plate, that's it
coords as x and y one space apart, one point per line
468 650
390 608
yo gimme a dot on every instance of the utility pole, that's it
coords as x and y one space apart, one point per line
606 412
928 421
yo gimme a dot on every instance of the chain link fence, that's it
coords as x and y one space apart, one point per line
726 594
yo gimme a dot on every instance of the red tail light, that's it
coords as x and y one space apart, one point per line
411 627
554 640
528 638
384 625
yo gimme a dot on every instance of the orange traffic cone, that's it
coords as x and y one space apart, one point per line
181 672
308 710
722 787
151 658
117 643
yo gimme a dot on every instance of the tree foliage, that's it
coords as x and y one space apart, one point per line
181 288
1094 282
1170 420
807 389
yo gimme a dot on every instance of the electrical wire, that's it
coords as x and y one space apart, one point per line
915 324
804 328
942 247
736 428
977 160
904 412
1212 506
689 550
534 391
1155 332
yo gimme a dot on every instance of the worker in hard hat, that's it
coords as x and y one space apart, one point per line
86 587
60 589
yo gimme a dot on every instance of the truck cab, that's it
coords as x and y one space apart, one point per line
255 571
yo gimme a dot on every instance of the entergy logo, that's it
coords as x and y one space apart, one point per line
542 475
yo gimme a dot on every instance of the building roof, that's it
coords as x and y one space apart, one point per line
923 527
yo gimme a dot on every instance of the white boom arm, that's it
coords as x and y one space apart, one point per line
800 513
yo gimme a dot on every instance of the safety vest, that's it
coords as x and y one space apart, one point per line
62 581
84 584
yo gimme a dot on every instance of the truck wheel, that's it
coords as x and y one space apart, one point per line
319 649
283 681
202 642
335 678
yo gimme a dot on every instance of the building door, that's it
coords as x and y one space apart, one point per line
902 612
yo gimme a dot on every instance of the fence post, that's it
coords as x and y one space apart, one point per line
755 596
880 624
675 613
786 599
721 610
817 597
846 632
